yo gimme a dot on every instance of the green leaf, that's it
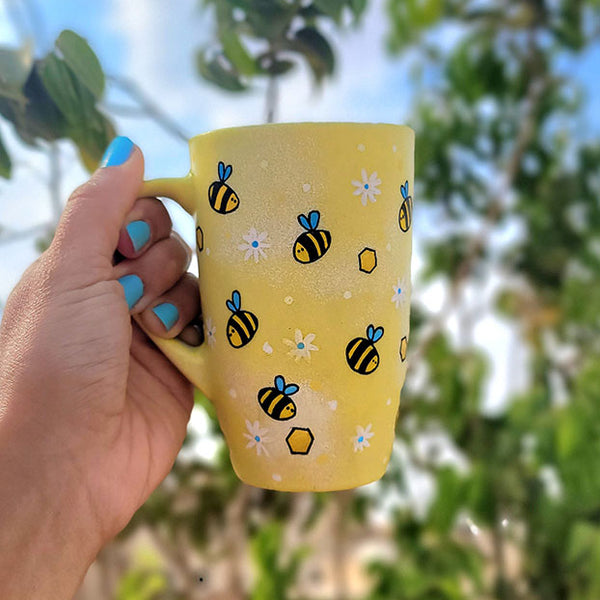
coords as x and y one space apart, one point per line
332 8
449 497
5 162
82 61
15 66
219 71
358 7
316 50
237 54
62 86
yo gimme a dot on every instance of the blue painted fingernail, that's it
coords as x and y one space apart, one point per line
139 233
134 289
118 151
167 313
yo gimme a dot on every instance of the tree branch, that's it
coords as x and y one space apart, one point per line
148 106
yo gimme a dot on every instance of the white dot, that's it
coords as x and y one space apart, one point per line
385 460
333 405
389 401
276 476
306 187
233 393
394 148
361 147
388 247
264 164
288 299
347 294
207 250
267 348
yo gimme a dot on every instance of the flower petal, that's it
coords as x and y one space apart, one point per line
364 175
298 336
309 338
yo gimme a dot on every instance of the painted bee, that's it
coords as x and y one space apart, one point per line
276 401
405 214
312 243
242 324
361 353
220 196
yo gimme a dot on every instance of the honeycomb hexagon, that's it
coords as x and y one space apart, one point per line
300 440
199 238
403 348
367 260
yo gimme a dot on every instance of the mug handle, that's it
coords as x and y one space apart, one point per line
190 360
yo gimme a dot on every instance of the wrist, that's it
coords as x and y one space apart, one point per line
47 536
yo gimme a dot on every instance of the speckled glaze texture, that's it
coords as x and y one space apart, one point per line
304 244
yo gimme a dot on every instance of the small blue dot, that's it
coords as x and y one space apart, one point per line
301 345
399 290
366 186
257 438
361 439
255 244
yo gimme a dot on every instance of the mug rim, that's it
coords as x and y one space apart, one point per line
295 124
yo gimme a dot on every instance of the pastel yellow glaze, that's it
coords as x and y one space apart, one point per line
341 428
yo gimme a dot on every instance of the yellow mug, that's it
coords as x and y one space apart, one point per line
304 244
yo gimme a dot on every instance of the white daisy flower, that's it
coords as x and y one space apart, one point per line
257 437
255 244
209 331
400 292
367 188
301 346
362 437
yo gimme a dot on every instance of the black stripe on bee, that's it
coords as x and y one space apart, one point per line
316 244
276 404
242 324
222 198
359 354
405 214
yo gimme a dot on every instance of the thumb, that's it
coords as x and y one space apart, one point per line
90 224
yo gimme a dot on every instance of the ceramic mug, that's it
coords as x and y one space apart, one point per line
304 244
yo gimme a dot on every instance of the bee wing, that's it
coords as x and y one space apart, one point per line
221 170
303 221
378 334
237 301
370 332
230 305
228 172
314 216
279 382
291 389
404 189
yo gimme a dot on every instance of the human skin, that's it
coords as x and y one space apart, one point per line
92 415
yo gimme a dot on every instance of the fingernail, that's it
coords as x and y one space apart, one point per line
134 289
167 313
118 151
139 234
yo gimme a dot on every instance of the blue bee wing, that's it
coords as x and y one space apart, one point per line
221 171
237 301
279 382
228 172
303 221
404 189
230 305
291 389
378 334
370 332
314 216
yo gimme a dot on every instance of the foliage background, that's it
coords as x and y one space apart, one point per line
494 486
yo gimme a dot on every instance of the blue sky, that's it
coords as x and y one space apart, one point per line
153 43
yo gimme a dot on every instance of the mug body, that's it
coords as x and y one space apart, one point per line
304 247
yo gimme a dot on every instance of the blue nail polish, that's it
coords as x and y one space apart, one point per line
134 289
167 313
118 151
139 233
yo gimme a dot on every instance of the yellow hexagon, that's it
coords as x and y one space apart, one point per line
403 348
199 238
367 260
300 440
